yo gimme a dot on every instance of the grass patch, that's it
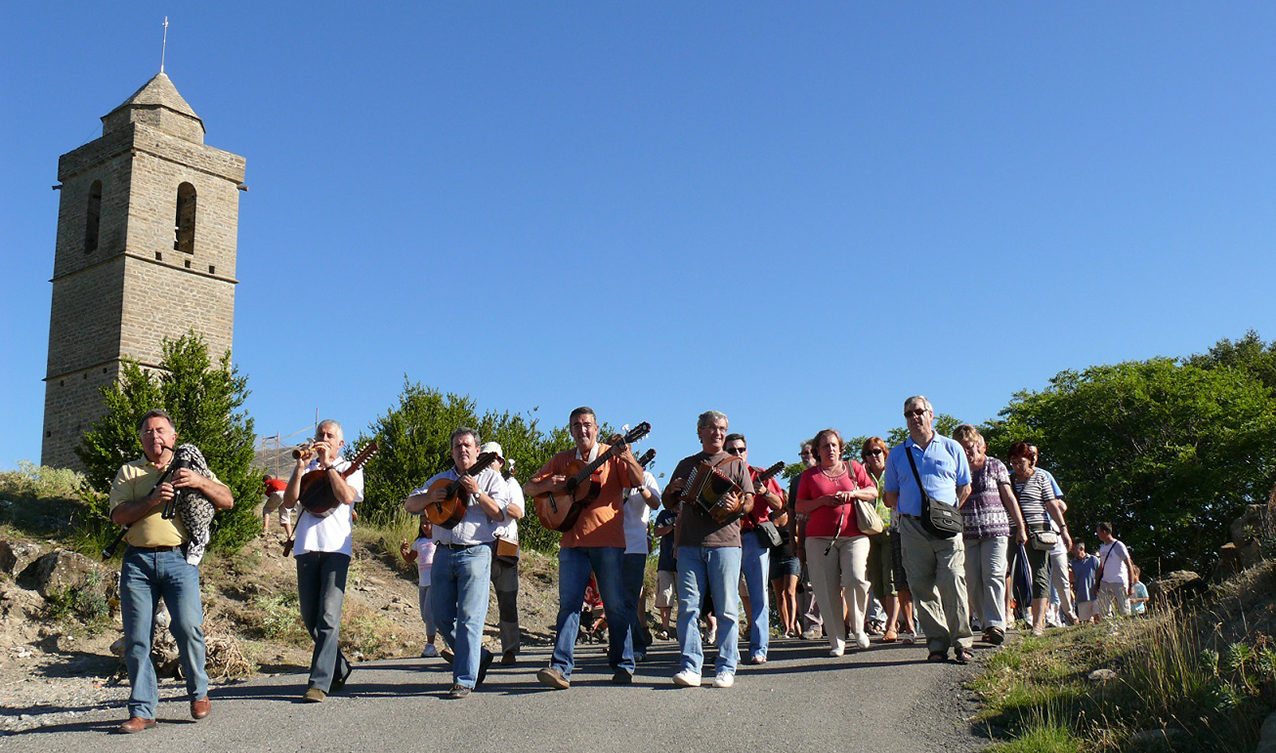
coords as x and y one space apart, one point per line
1177 671
277 617
82 609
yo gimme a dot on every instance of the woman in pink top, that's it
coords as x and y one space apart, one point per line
836 550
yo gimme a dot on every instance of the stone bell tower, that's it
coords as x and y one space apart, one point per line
147 228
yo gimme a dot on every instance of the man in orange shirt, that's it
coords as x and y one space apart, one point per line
596 543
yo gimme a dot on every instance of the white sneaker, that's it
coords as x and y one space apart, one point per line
429 652
687 679
838 647
724 680
861 640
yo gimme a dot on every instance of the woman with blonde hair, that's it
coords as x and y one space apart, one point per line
986 522
836 549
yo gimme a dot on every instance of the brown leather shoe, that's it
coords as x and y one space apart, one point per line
135 724
200 708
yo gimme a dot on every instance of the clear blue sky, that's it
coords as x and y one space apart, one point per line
795 213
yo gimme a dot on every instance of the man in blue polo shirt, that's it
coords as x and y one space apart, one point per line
935 566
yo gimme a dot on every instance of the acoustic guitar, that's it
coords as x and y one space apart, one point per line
558 509
448 511
316 494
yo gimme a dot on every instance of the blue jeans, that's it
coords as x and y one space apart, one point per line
755 565
321 589
717 570
574 566
144 578
458 587
633 569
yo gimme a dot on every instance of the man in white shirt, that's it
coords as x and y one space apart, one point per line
322 551
505 557
463 561
639 502
1115 576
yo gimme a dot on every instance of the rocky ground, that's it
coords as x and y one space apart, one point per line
55 663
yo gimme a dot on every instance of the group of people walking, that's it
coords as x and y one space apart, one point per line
727 529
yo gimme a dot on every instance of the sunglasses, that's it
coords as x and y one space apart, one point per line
737 450
915 412
871 452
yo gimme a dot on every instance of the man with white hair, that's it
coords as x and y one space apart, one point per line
322 549
929 465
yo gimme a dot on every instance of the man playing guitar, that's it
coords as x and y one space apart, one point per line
595 543
463 559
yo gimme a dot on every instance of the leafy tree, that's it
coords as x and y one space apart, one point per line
414 440
1169 452
205 401
1249 354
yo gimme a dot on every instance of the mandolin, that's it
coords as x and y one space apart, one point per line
759 483
447 512
559 509
647 457
316 494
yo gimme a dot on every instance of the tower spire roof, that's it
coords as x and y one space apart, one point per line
155 96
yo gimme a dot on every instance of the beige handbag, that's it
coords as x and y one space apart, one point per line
867 519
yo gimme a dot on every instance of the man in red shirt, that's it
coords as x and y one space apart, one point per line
274 503
755 561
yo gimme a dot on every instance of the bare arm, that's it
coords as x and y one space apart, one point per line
1011 504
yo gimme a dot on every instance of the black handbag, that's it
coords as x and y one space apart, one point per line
768 534
939 519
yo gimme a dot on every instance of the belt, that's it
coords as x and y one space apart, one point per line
152 549
455 547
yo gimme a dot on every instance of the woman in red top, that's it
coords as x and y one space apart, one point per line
836 551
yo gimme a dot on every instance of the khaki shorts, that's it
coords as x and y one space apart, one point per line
274 503
666 589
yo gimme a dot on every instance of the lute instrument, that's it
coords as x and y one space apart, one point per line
558 509
448 511
316 496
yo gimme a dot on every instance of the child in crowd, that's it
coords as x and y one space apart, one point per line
1139 598
421 551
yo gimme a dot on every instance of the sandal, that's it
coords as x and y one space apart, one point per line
890 637
963 655
995 636
937 656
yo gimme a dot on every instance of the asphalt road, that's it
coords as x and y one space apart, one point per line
884 700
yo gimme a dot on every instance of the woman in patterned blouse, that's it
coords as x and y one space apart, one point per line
986 517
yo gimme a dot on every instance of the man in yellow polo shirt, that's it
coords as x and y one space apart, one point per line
155 566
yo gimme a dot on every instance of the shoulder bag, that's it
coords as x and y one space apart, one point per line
768 535
940 519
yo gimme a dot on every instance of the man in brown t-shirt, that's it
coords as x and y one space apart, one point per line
596 542
708 555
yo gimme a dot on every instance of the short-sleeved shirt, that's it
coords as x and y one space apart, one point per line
424 549
1084 573
134 482
761 510
508 529
1034 495
475 527
1140 592
695 527
334 531
668 559
1112 555
942 467
275 486
983 516
825 519
637 515
602 522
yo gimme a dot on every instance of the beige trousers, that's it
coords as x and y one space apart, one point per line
842 574
937 575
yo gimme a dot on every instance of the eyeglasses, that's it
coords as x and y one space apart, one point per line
737 450
871 452
915 412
